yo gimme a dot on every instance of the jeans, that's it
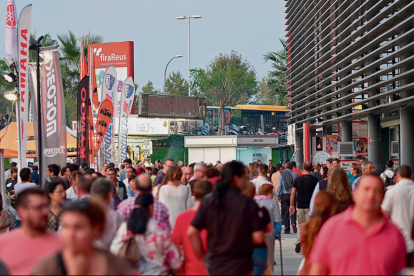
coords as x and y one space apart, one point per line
259 260
287 218
303 216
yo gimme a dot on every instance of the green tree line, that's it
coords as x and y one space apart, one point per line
228 80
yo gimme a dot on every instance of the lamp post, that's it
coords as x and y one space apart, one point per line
182 18
165 72
35 45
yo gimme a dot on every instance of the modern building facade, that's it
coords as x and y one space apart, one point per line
353 60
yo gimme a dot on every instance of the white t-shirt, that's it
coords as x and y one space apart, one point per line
259 181
20 187
177 199
70 194
399 201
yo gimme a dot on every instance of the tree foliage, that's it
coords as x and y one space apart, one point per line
176 85
149 89
70 51
228 80
276 80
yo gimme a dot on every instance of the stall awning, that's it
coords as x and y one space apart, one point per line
8 141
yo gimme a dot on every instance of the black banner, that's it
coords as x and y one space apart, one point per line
83 131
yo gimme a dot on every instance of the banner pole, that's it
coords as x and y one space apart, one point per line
2 180
39 114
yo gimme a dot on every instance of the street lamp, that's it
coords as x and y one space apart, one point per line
11 95
182 18
165 72
10 77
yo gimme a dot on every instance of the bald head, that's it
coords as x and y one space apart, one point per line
188 173
369 193
219 167
143 183
307 166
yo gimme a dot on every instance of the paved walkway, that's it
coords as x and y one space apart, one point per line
291 259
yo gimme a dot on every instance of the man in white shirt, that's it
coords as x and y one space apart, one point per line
398 205
25 176
102 190
262 178
71 192
129 172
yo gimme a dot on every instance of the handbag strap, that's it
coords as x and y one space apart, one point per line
61 264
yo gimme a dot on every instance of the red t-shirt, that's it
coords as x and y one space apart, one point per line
192 265
297 171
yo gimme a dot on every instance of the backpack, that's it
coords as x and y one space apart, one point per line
389 181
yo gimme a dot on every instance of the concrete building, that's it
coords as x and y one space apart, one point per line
351 60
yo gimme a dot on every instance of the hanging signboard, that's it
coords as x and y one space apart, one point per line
176 107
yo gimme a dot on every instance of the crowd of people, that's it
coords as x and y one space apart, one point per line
172 218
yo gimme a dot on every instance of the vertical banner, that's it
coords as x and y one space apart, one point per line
115 101
104 118
306 144
83 122
23 39
90 134
93 94
10 46
108 92
127 97
53 110
33 101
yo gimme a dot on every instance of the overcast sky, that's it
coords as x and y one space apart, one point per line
249 27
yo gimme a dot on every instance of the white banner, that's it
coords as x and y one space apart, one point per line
23 42
127 97
10 46
108 92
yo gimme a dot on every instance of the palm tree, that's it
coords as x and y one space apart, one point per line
70 52
277 78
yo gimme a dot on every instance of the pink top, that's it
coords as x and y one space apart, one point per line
345 248
20 253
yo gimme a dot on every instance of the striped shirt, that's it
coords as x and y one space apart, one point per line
160 211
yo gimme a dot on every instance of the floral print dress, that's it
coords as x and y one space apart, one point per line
158 252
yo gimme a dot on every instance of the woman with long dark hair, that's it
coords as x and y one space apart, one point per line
324 208
158 252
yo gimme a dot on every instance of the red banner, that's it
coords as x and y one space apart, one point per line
83 70
104 118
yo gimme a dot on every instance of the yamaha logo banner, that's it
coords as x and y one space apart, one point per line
53 109
23 38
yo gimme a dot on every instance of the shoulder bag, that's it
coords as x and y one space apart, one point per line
129 250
